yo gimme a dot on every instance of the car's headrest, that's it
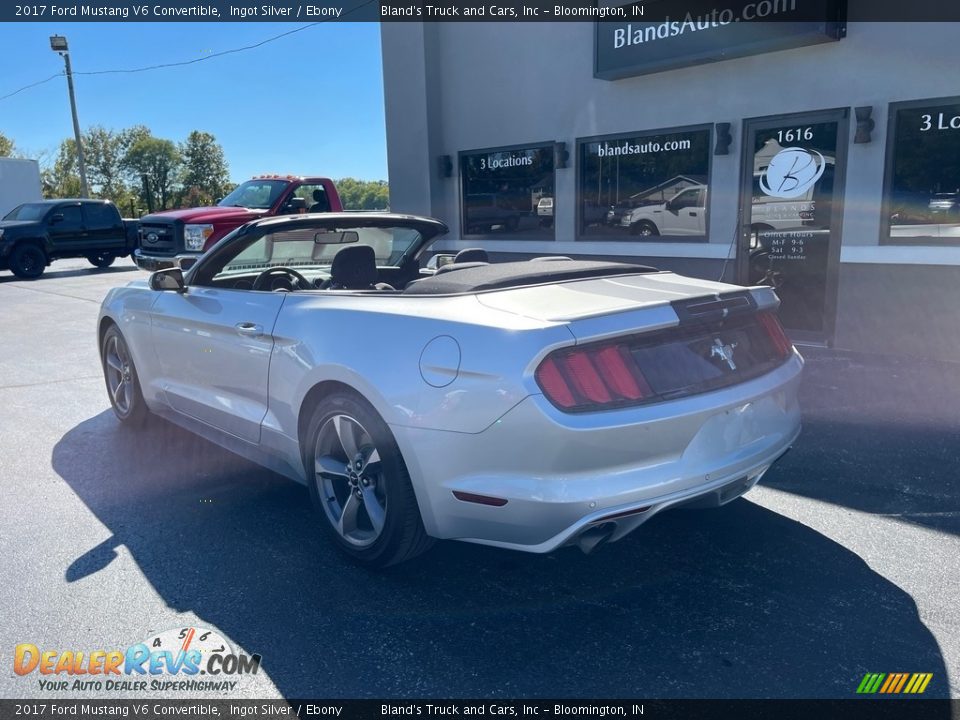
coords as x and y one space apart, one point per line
319 195
354 268
471 255
458 266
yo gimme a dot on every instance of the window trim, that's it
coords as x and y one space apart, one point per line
578 235
889 151
547 145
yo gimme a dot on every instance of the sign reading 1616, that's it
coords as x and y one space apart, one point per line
942 122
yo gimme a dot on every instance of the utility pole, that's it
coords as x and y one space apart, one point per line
58 43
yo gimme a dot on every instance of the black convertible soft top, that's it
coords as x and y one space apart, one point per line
497 276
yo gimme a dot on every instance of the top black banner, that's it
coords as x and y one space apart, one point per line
305 11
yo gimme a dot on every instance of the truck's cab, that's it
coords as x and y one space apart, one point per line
683 214
170 236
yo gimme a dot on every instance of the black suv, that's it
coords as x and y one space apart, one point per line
35 234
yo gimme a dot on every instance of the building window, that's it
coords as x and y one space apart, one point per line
508 193
644 186
922 184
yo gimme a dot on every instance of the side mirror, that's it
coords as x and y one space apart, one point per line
169 279
439 260
296 205
670 206
55 218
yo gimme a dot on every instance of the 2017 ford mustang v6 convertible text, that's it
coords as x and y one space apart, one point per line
526 405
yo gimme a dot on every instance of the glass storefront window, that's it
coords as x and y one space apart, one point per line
508 192
644 186
922 201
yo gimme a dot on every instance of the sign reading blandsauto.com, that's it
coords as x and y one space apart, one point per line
691 32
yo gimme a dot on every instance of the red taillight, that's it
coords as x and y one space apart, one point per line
592 378
585 378
613 364
781 342
553 385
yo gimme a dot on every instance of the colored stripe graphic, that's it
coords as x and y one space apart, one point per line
894 683
870 683
903 679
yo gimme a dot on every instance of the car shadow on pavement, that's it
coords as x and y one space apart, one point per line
735 602
881 435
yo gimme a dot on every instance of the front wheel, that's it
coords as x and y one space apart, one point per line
360 485
102 260
123 384
28 261
644 228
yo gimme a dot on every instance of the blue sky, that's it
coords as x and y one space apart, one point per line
308 103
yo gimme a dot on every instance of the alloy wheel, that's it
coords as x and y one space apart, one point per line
119 372
350 480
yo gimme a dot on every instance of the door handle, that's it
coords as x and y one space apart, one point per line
249 329
693 213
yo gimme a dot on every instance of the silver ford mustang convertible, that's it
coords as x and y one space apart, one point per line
526 405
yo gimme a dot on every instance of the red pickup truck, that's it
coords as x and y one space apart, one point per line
170 236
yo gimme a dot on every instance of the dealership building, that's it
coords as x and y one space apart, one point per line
820 156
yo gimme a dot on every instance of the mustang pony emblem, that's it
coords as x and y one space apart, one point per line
724 352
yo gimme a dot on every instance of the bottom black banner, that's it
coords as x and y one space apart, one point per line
854 709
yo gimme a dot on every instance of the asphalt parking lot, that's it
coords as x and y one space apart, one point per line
845 561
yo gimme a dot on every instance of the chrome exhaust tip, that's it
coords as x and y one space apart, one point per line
593 537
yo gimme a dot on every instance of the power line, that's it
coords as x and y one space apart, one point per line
27 87
190 62
200 59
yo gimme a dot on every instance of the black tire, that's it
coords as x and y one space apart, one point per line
102 260
28 261
645 228
128 404
402 535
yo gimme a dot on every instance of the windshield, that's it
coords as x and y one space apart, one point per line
314 248
28 211
255 194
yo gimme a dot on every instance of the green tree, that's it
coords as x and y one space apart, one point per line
157 163
363 194
62 180
205 176
6 146
104 151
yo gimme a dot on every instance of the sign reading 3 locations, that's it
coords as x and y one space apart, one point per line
692 32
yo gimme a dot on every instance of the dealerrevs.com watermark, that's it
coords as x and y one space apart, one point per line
182 659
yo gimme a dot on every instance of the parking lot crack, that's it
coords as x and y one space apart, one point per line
50 382
49 292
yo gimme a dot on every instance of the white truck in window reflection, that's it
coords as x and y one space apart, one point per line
686 212
683 214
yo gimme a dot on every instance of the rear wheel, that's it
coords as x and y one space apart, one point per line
360 484
28 261
123 384
102 260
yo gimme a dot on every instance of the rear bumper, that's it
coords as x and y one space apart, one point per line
152 263
565 475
